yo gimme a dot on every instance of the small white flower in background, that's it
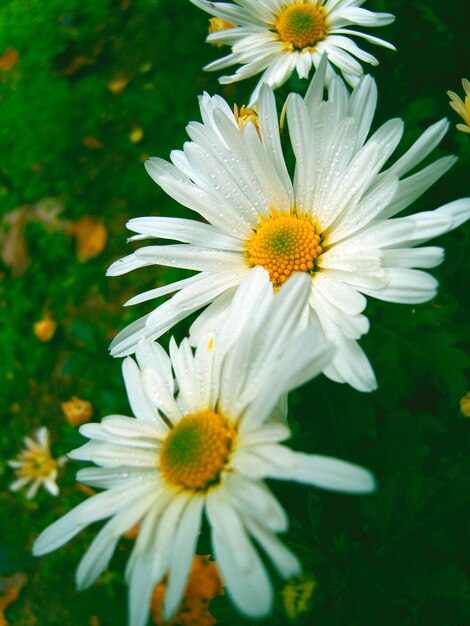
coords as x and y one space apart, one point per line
277 37
332 222
34 465
206 433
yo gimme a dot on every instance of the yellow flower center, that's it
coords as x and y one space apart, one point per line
244 115
301 25
218 24
37 464
196 450
284 245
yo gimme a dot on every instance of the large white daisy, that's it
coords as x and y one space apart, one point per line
277 37
206 433
332 222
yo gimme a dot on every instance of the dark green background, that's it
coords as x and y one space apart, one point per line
393 558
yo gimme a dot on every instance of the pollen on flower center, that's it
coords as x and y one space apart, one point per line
196 450
244 115
284 245
36 464
302 25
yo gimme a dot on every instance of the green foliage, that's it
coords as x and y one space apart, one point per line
392 558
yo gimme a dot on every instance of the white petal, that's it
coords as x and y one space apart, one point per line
98 507
430 224
245 577
191 257
150 557
14 463
350 46
206 378
184 230
359 214
140 404
411 188
158 392
268 433
98 555
304 359
194 197
183 365
341 295
112 455
406 286
265 341
129 427
362 105
164 290
269 129
285 561
352 326
151 354
123 437
212 318
110 477
363 17
246 462
276 194
314 94
349 364
182 554
42 435
20 483
342 59
33 489
413 257
171 312
327 473
229 12
127 264
426 143
253 498
51 487
252 298
366 36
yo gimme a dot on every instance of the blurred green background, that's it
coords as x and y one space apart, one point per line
88 90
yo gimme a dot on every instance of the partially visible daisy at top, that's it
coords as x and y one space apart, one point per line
276 37
331 222
461 107
35 467
208 430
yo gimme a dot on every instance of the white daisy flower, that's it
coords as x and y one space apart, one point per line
332 222
277 37
35 465
204 438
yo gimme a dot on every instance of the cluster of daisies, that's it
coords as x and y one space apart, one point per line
281 267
